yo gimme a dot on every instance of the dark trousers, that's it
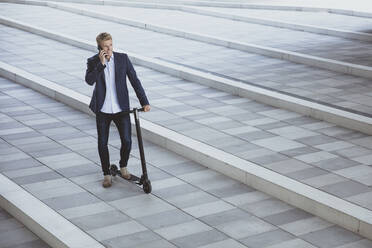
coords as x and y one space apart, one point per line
122 122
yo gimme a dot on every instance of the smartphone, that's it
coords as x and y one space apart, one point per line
99 49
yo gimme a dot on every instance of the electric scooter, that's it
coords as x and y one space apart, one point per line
144 180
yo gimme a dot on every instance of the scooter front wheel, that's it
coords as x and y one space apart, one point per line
147 186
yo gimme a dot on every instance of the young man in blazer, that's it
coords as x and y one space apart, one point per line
108 71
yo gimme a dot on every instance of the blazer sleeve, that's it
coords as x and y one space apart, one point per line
135 82
94 69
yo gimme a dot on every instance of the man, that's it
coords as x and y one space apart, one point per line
108 70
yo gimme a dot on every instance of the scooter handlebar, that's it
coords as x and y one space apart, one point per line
132 110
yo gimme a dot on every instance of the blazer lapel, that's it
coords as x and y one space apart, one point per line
117 67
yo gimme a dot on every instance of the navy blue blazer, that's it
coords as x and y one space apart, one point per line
123 66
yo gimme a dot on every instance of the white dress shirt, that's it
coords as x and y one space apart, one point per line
111 104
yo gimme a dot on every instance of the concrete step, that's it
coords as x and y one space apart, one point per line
282 50
338 116
254 16
51 154
278 19
15 234
43 221
318 19
320 203
361 8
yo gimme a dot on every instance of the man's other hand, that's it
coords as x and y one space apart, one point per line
146 108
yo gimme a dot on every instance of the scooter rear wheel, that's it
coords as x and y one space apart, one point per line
114 170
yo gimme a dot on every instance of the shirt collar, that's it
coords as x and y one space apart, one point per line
111 58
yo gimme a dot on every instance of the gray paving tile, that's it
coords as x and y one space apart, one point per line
94 221
49 152
268 159
85 210
294 243
73 171
15 237
316 140
316 157
118 190
363 199
199 239
365 142
346 189
182 229
258 135
307 173
33 244
231 190
165 219
278 144
157 244
133 240
293 132
355 172
19 164
116 230
255 153
183 168
4 215
192 199
224 243
267 238
243 228
37 178
305 226
266 207
287 217
330 237
299 151
323 180
70 201
353 152
335 164
9 224
175 191
225 216
288 166
364 243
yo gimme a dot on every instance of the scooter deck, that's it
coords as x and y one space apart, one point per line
133 178
115 171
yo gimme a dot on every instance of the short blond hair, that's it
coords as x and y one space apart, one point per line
102 37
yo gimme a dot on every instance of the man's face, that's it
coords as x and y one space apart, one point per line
106 45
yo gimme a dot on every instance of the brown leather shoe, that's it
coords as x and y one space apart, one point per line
125 173
107 181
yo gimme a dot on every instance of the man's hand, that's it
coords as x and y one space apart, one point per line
146 108
102 56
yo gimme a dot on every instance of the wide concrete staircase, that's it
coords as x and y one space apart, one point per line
240 90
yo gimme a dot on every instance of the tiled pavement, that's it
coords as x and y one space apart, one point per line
346 50
14 234
335 89
189 202
356 5
325 156
50 150
322 19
